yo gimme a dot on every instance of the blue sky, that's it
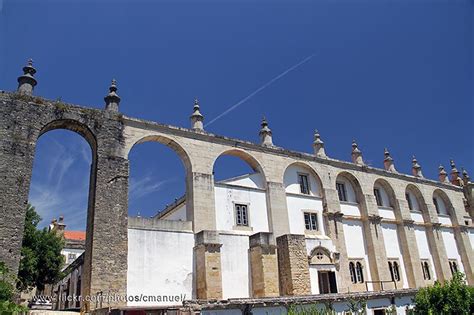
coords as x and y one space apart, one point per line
396 74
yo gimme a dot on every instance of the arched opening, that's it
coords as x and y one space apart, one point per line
442 205
349 193
157 179
304 199
241 207
416 204
239 192
63 171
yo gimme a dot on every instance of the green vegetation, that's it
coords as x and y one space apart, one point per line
8 293
41 259
452 297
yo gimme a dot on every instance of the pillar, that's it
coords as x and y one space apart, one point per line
263 265
16 163
335 230
436 243
277 209
105 258
376 252
409 246
293 265
200 205
207 253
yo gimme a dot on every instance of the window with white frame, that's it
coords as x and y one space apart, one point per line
311 221
356 272
241 215
304 183
341 191
71 257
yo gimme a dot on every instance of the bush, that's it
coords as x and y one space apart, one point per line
7 293
452 297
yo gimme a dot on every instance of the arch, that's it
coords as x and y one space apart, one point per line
359 272
172 144
347 177
387 188
75 126
245 156
320 256
352 272
442 203
287 180
414 192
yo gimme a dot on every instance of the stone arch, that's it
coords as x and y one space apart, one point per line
246 157
75 126
172 144
446 201
355 183
320 255
420 200
388 190
311 171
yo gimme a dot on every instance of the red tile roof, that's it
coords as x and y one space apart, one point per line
75 235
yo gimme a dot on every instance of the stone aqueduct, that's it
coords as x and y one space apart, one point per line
111 136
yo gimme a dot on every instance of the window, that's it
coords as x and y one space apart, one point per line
311 221
425 266
394 270
359 272
71 257
453 265
435 202
407 197
341 191
378 198
304 183
241 215
352 272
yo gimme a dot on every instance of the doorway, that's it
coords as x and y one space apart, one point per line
327 282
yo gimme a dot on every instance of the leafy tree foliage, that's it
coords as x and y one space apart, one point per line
452 297
41 259
8 292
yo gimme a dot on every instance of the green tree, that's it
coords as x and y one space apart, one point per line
41 259
8 293
452 297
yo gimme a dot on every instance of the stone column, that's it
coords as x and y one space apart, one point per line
105 258
16 162
376 251
263 265
335 230
207 253
277 209
436 243
409 246
463 242
200 205
293 265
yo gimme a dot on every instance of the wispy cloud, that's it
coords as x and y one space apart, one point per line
245 99
145 186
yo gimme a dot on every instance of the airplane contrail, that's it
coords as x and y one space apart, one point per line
245 99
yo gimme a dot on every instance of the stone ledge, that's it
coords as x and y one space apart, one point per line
197 305
159 225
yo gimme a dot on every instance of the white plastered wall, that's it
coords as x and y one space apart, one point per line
235 266
392 248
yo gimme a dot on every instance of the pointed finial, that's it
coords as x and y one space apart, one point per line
465 177
442 175
318 145
27 82
356 154
265 134
112 100
197 118
455 179
388 162
416 168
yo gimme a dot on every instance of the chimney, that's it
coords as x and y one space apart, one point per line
318 145
197 118
27 82
356 154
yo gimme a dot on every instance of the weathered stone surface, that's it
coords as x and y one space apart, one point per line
293 265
